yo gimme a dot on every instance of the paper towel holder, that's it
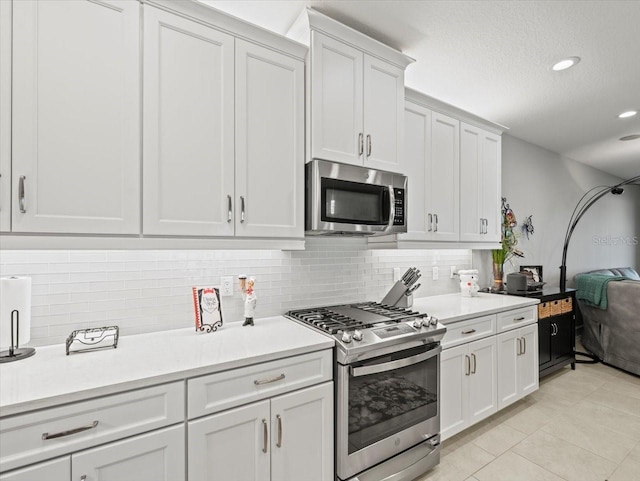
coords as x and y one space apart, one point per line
15 352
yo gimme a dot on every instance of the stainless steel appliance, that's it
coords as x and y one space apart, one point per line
387 379
352 200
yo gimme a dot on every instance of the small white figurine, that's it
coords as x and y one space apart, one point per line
469 282
249 299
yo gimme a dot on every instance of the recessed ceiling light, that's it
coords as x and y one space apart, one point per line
627 114
630 137
565 63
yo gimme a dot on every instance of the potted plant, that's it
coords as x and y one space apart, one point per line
508 243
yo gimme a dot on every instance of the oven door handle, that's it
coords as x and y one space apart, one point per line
392 208
397 364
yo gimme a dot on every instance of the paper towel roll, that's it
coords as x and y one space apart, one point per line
15 293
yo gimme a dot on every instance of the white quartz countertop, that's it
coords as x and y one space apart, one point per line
450 308
51 377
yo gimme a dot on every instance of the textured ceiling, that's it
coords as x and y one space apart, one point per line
493 58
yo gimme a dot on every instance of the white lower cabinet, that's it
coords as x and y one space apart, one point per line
517 364
156 456
58 469
288 437
468 386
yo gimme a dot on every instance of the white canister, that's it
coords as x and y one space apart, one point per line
15 295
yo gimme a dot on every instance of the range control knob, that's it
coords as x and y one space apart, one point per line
346 337
433 320
357 335
418 323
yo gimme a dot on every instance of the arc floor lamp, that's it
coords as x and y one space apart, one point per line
586 201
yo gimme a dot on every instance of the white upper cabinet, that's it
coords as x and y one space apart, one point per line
337 100
443 174
5 116
417 149
383 115
269 170
76 120
188 127
223 133
480 166
356 95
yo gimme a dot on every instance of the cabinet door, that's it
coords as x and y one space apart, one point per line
528 369
417 148
508 353
545 329
156 456
302 435
188 127
444 177
483 379
454 390
76 117
336 100
5 116
58 469
383 115
480 163
562 341
490 190
231 445
471 225
269 143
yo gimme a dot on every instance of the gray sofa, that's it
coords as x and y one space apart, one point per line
613 334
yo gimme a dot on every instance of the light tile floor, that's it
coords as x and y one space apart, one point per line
581 425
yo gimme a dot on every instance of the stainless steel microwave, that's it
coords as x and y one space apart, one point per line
344 199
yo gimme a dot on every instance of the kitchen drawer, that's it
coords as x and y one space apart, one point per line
224 390
470 330
517 317
22 437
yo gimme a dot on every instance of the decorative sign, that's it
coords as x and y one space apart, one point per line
208 310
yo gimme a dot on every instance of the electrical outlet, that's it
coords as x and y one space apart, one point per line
435 273
227 286
453 272
396 274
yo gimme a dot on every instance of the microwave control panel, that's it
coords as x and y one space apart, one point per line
399 210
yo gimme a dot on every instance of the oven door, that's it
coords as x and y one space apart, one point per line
385 406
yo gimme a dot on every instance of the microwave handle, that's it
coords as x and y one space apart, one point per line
397 364
392 209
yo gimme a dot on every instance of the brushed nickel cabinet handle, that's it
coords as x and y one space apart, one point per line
517 319
435 217
267 381
21 202
473 369
524 345
241 208
469 331
361 143
265 436
229 208
61 434
279 441
481 225
368 145
430 217
467 361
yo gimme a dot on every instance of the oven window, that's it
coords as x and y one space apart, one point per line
354 202
383 404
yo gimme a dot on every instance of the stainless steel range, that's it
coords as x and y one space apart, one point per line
387 388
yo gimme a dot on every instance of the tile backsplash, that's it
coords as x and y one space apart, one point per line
150 290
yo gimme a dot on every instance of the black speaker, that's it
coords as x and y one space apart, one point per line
517 284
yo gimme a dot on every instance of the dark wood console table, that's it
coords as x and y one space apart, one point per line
556 329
